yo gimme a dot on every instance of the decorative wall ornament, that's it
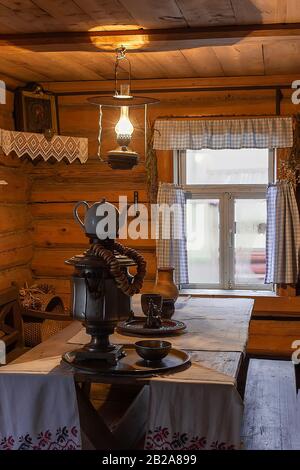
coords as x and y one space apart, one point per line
289 167
35 146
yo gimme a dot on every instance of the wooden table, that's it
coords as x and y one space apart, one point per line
216 339
232 363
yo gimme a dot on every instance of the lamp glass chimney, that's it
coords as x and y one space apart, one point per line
124 127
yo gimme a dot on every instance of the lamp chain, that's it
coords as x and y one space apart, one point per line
100 133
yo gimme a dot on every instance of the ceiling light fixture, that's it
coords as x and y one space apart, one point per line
123 157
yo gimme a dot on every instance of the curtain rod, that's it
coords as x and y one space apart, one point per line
226 116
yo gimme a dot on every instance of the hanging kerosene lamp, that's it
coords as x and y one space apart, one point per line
122 157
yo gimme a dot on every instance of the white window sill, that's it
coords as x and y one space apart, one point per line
227 293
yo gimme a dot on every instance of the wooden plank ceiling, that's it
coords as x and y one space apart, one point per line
28 55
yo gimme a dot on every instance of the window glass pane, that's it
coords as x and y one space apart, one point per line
250 241
203 240
243 166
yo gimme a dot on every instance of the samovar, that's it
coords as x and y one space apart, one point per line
101 284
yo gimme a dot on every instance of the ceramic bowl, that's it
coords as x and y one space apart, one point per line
152 350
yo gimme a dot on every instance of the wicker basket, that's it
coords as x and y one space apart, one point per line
39 325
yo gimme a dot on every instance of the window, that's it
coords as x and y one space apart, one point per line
226 215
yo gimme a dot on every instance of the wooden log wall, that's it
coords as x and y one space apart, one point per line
16 249
55 189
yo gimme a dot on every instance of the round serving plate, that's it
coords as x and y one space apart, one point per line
130 364
135 327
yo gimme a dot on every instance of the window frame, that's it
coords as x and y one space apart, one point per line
226 195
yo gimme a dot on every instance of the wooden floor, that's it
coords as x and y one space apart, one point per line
272 409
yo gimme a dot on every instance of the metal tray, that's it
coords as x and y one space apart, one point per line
131 364
135 327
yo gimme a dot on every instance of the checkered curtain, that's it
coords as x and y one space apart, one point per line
283 234
183 134
171 247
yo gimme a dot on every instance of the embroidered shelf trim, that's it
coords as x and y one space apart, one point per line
35 145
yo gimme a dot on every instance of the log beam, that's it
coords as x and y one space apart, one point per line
161 85
151 39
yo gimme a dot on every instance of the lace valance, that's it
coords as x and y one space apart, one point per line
35 145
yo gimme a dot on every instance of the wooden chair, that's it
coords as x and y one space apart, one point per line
11 324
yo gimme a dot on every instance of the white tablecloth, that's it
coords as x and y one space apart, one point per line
212 325
38 407
199 408
203 416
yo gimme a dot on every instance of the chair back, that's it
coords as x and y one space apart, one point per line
11 324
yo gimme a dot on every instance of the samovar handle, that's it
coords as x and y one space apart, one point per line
75 211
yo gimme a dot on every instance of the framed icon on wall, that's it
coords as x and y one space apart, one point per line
35 110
